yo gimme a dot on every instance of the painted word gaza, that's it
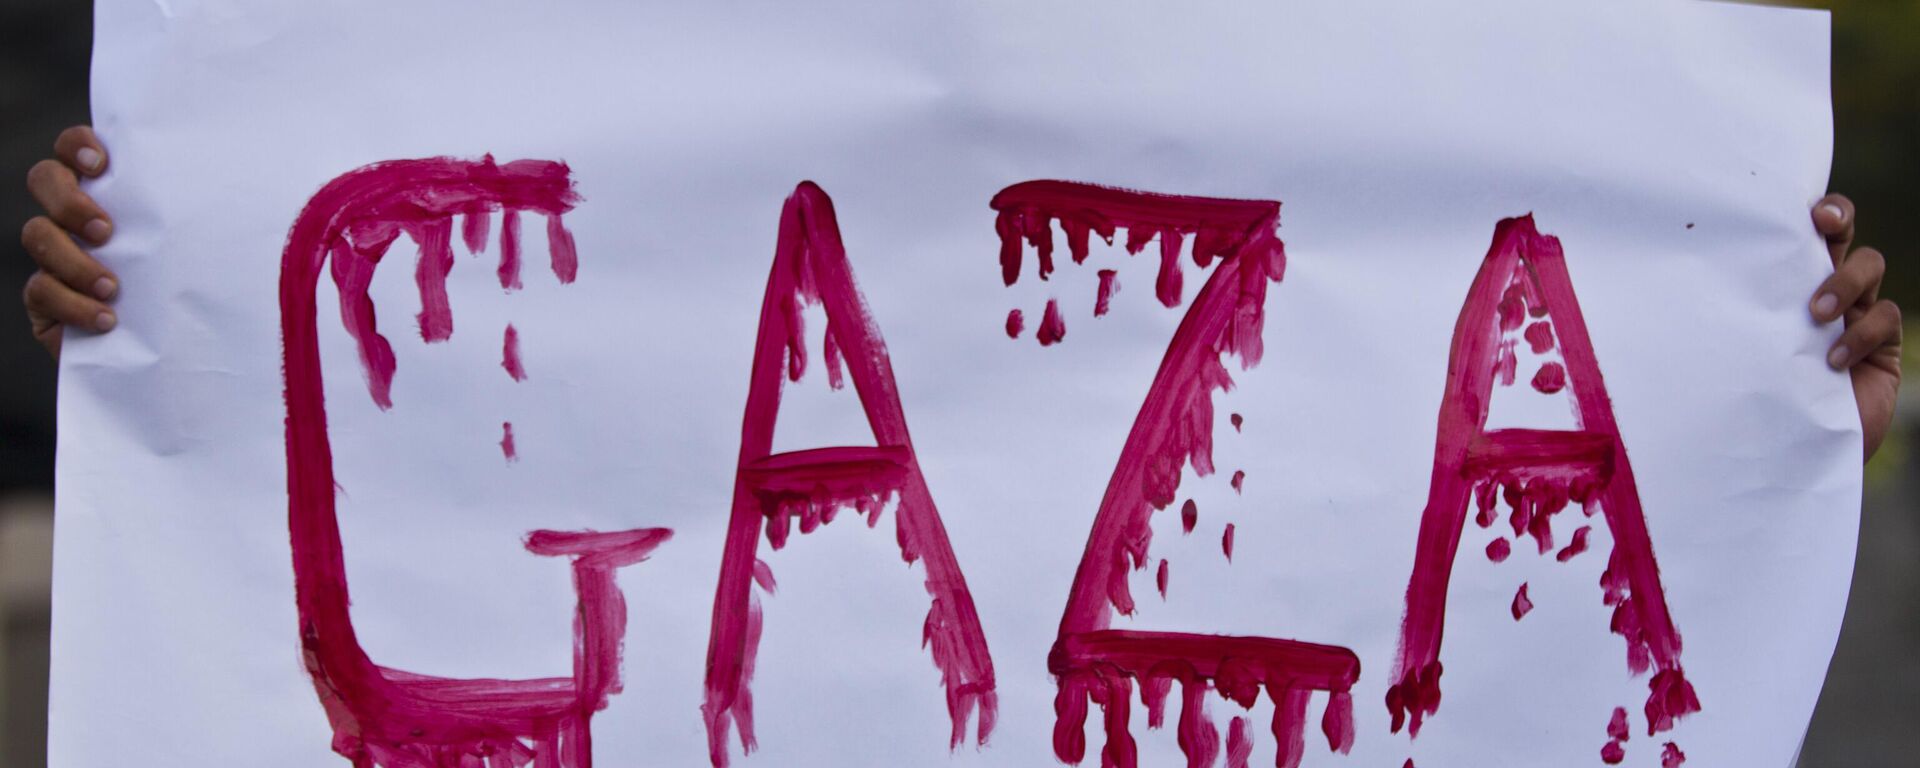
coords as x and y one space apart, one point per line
391 718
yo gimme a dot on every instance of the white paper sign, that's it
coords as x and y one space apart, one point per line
772 384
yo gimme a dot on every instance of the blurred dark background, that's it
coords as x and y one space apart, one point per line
1868 713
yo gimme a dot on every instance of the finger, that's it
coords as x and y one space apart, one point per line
1878 327
1833 219
57 190
47 332
81 151
57 254
1855 283
48 297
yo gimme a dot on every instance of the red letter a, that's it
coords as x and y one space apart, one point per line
810 266
1523 282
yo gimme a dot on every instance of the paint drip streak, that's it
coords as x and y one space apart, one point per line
436 260
509 270
510 354
355 218
1109 285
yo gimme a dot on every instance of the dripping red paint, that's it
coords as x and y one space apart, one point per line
1108 286
1524 275
382 716
1239 744
1092 663
1537 473
1577 546
509 270
1053 327
810 266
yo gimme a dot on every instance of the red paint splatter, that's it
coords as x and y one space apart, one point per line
1108 287
1226 542
1160 578
1521 604
1577 546
510 354
810 266
1189 516
1524 274
1613 753
1097 665
1237 421
382 716
1540 337
1053 327
1617 725
1498 550
506 442
1239 479
1672 757
1016 323
1239 744
1550 378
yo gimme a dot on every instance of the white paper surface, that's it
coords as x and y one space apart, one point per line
1674 148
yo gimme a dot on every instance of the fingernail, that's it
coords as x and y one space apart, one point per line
97 230
103 288
1823 306
1839 216
104 322
89 159
1838 357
